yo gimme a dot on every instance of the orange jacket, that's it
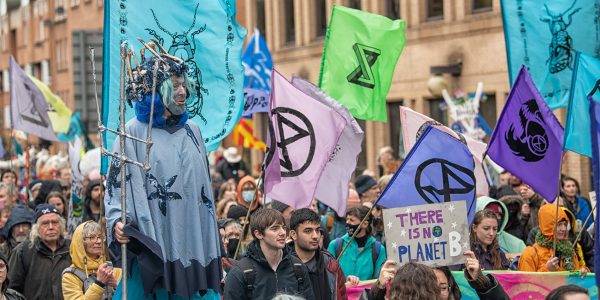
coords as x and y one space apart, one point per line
534 258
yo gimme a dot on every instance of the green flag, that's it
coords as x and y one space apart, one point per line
359 57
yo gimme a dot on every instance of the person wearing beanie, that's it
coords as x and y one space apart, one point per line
17 229
367 188
92 206
5 292
238 213
90 277
36 265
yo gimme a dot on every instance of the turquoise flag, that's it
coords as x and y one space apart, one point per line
586 73
544 35
74 129
204 33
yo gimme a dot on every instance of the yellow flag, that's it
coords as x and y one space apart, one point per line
60 114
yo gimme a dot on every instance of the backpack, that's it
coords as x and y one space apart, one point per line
247 267
88 281
375 248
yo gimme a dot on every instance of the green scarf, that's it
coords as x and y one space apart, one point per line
564 249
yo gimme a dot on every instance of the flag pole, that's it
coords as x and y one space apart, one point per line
239 245
557 204
585 222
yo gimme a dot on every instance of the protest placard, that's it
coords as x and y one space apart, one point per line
431 234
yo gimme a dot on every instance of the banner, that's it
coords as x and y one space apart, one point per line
438 169
586 75
435 234
204 34
77 194
359 58
332 188
28 108
303 135
544 35
518 285
527 140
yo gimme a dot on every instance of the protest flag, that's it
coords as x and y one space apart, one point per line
258 66
302 139
412 121
205 35
586 74
439 168
527 140
59 113
595 129
243 136
74 129
545 37
332 188
28 108
359 57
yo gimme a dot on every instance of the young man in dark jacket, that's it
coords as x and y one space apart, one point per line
268 267
326 275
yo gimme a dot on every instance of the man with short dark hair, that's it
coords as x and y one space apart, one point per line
268 267
568 292
326 275
36 265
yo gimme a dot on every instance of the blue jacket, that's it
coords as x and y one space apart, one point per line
359 264
583 210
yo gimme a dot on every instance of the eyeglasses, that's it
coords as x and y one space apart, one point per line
47 224
95 238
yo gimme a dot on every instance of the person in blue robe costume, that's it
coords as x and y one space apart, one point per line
171 231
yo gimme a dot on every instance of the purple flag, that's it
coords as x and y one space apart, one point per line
333 185
303 135
527 140
28 107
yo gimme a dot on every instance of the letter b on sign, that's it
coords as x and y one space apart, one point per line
454 242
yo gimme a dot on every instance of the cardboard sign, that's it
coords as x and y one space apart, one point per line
432 234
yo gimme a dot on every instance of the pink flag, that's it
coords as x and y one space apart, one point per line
413 122
303 136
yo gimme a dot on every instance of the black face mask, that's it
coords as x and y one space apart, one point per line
232 246
351 228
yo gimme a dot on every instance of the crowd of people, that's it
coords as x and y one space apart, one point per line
274 251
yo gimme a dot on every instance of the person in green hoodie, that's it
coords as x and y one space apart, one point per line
365 255
508 242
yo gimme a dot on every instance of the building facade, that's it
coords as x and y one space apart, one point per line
50 40
464 33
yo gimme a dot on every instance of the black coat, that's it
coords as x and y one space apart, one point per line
36 271
267 282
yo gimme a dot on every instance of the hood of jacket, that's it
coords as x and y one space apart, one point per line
484 201
19 215
79 256
240 199
572 219
548 219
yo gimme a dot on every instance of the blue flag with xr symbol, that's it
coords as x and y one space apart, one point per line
258 66
439 168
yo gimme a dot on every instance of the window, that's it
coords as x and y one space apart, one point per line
290 22
100 3
5 80
438 110
74 3
392 9
353 4
393 111
320 17
261 18
482 6
435 10
42 33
